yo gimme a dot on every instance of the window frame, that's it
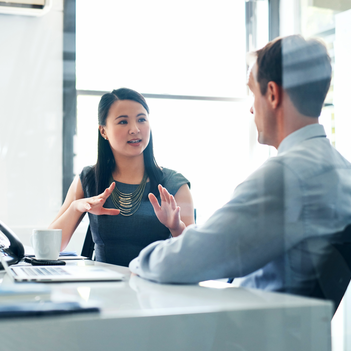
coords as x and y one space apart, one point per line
70 93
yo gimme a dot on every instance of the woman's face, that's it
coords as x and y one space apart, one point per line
127 128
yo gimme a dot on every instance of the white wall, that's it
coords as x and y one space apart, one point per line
31 119
342 80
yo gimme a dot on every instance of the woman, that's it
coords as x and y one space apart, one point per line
115 190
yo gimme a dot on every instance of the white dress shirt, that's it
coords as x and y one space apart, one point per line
266 232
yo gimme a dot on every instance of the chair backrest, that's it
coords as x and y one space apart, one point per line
334 274
88 246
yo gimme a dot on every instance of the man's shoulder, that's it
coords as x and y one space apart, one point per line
313 157
270 173
271 165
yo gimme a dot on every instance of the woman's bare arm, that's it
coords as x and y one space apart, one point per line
75 206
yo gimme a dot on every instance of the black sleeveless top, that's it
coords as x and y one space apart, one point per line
119 239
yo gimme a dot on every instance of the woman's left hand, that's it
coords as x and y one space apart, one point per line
168 213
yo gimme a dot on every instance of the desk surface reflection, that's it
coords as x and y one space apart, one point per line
137 314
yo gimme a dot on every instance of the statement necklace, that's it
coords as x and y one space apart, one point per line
129 203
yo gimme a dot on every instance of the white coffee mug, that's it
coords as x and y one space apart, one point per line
46 243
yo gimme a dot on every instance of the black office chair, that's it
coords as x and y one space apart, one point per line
331 266
88 246
334 273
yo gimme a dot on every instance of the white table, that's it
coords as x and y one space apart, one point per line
141 315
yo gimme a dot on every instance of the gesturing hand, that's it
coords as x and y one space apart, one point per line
168 213
95 204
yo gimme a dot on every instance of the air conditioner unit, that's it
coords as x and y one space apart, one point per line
25 7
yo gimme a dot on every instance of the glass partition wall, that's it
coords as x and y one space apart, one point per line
188 59
329 21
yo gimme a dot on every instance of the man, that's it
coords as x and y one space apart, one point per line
278 222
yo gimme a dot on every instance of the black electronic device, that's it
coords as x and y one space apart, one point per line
11 248
36 262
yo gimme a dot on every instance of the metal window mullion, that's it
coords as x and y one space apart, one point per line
69 93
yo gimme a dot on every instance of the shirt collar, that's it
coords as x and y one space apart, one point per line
300 135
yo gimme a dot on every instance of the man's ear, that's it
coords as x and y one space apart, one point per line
274 94
102 132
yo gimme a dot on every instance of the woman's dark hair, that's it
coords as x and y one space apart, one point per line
100 176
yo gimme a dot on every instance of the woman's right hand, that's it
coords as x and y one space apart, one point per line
94 204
